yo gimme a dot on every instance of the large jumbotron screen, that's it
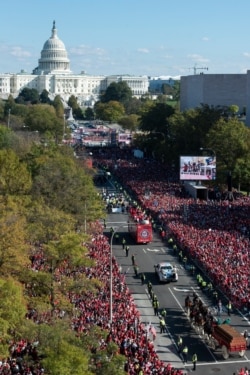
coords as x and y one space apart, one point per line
197 168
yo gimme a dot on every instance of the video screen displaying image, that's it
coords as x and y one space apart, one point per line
198 168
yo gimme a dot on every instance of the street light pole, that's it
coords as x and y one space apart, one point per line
64 125
9 118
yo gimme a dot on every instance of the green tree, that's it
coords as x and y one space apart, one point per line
6 137
28 96
9 104
43 118
156 119
77 111
72 102
188 130
162 98
233 109
13 236
64 184
133 106
2 105
14 114
12 312
117 92
230 140
111 111
14 175
58 105
89 114
242 173
182 139
49 287
61 350
130 122
67 359
46 223
167 89
176 90
44 97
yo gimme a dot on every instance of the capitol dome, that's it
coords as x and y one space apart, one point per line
54 57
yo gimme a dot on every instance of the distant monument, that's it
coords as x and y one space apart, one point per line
70 117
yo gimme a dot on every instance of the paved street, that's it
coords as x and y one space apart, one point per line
172 296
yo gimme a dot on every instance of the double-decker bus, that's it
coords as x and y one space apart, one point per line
139 226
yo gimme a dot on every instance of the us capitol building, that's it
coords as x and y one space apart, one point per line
54 75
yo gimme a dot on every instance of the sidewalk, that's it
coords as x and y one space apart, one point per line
164 344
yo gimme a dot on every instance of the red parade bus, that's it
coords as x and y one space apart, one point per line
139 227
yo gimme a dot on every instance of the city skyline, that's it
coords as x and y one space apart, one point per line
135 37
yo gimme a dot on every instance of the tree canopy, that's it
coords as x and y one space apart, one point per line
118 92
111 111
28 96
156 118
230 139
48 202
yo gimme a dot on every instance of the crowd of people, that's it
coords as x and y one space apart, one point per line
126 330
215 233
132 337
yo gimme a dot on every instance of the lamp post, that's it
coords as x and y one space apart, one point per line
64 125
9 117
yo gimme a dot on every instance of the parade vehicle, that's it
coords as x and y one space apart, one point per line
139 227
165 272
228 339
216 334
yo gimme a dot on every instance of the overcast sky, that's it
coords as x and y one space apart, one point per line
136 37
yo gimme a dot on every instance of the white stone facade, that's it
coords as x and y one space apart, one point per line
54 75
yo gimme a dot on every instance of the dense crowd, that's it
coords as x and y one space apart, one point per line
133 339
127 330
215 233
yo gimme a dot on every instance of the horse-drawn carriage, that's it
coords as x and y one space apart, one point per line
228 339
197 312
217 334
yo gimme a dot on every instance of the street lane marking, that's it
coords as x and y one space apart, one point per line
225 362
176 300
180 289
182 309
